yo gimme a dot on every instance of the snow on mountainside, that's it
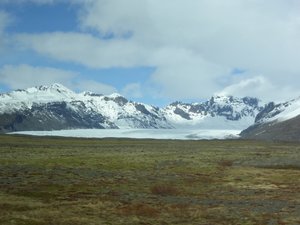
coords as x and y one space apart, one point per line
22 99
56 107
279 112
276 122
220 112
124 113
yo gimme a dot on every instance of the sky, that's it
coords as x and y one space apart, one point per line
153 51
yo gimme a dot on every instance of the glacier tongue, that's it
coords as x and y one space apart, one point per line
176 134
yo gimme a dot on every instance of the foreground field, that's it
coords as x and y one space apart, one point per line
65 181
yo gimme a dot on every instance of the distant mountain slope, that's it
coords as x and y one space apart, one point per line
276 122
220 112
56 107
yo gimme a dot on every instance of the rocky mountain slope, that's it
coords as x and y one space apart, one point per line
56 107
276 122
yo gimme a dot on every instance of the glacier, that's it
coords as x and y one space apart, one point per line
172 134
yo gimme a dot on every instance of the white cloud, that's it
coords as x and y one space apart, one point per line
85 49
24 76
193 44
260 87
133 90
248 87
183 74
96 87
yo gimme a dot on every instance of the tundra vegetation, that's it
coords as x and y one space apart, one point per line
68 181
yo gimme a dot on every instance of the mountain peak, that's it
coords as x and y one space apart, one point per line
47 88
57 86
54 87
91 94
43 93
229 99
115 95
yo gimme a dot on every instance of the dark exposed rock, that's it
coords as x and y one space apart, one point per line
121 100
265 113
182 113
142 109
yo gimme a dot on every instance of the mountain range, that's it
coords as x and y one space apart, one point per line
56 107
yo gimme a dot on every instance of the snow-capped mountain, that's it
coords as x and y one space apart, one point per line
220 112
276 122
56 107
24 99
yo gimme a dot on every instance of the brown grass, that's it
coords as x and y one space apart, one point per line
225 163
138 209
164 190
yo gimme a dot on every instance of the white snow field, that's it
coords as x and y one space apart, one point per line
175 134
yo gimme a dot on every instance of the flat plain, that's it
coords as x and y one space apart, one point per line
73 181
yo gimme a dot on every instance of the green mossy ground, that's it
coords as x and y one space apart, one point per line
65 181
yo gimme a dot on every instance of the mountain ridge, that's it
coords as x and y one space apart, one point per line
57 107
